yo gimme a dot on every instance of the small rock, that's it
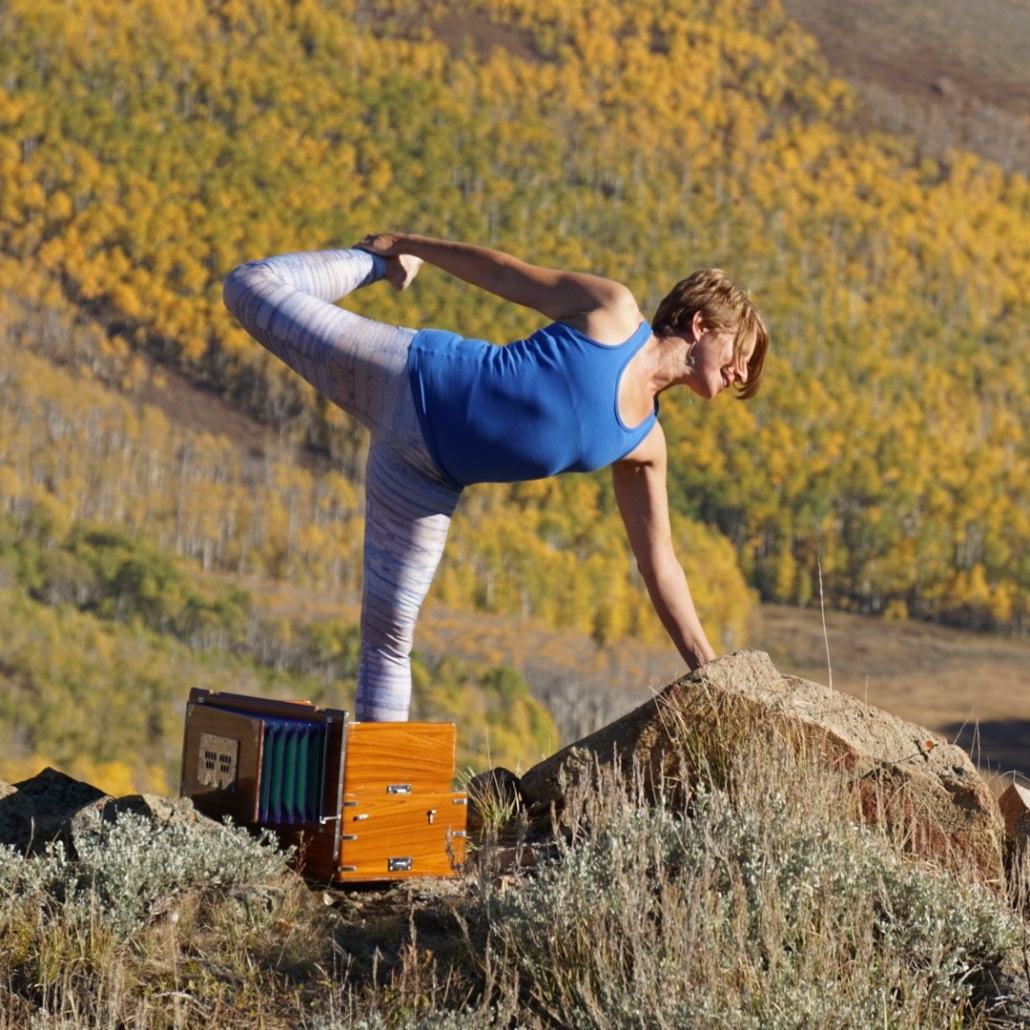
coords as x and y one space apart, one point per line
1015 810
495 797
47 807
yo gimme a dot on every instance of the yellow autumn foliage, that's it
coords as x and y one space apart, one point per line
149 147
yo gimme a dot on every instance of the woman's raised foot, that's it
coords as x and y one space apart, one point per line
401 270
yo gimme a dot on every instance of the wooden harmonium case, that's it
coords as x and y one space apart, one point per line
361 801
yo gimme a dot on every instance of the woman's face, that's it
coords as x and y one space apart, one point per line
713 365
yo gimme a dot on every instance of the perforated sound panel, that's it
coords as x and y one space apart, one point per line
217 760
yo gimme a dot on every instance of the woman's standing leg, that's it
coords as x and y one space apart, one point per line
408 513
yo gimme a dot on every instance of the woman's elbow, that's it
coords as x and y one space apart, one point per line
656 569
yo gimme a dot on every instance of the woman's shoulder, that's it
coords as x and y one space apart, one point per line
611 323
563 331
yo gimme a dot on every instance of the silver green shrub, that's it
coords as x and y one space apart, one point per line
766 917
124 868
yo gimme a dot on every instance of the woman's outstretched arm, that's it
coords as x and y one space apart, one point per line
640 491
602 308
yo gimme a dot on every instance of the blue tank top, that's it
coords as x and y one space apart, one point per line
528 410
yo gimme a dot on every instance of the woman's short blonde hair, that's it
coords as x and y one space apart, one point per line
724 307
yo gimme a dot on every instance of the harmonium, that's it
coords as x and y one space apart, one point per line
361 801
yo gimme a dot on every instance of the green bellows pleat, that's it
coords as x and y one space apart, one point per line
291 771
278 749
300 776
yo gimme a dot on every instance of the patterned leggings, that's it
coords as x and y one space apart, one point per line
286 304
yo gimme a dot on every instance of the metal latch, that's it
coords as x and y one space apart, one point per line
399 865
398 788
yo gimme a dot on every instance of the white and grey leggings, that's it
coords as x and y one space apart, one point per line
286 303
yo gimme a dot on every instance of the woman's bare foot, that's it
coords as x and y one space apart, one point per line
401 270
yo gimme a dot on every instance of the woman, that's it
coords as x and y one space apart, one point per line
445 412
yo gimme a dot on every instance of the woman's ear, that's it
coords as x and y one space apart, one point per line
697 325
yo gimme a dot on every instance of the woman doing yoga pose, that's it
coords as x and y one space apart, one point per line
446 412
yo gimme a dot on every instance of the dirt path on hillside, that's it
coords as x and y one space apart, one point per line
953 73
978 45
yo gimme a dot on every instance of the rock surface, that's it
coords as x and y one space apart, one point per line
52 806
1015 809
906 778
47 807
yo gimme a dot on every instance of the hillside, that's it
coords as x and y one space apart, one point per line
952 72
175 511
147 148
972 687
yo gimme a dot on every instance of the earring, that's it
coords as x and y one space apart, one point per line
690 356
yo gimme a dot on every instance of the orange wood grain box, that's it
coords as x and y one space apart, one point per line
362 802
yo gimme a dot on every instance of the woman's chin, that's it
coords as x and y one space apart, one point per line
706 391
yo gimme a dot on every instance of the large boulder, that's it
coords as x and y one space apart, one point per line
904 778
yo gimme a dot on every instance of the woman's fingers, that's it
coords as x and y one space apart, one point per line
401 268
382 243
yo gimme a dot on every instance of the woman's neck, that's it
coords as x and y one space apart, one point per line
669 362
